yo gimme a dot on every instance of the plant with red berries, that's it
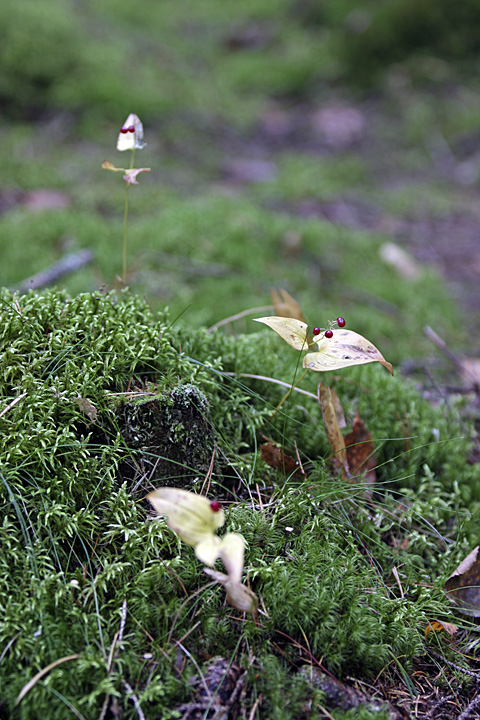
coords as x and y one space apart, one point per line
130 138
336 348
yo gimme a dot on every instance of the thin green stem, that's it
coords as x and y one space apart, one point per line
125 224
285 397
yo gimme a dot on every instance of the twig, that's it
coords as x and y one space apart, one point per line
68 264
239 316
44 671
11 405
437 340
134 699
468 710
454 665
272 380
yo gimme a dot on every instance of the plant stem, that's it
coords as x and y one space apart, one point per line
288 393
125 222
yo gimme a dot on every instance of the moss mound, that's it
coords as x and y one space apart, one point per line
101 400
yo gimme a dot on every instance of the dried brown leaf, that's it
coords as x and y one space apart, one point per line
463 585
332 427
286 306
278 460
360 451
440 625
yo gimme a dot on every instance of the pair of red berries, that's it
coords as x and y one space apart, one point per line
329 333
130 128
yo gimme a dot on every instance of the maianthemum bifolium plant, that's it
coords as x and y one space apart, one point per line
130 138
102 597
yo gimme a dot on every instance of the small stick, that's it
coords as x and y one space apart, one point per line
437 340
12 404
68 264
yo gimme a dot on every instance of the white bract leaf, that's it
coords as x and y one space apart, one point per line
130 136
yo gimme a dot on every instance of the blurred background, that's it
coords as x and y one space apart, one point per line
328 148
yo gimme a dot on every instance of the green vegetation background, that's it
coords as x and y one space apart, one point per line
75 536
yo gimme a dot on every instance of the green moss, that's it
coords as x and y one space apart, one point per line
78 538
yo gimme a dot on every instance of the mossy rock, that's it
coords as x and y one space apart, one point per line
83 560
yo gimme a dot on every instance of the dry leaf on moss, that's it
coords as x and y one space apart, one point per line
463 585
329 403
440 625
360 451
286 306
278 460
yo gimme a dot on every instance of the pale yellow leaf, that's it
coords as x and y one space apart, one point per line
232 550
188 514
344 349
293 331
238 595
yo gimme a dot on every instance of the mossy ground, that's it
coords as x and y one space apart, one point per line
78 538
215 83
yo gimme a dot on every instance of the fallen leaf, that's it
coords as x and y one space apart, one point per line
463 585
401 261
360 451
278 460
286 306
332 427
439 625
344 349
131 175
87 408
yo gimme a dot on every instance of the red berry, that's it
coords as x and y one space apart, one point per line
341 322
124 130
316 331
215 505
328 333
131 128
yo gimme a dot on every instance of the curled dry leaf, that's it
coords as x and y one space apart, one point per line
329 403
360 451
278 460
286 306
440 625
463 585
87 408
